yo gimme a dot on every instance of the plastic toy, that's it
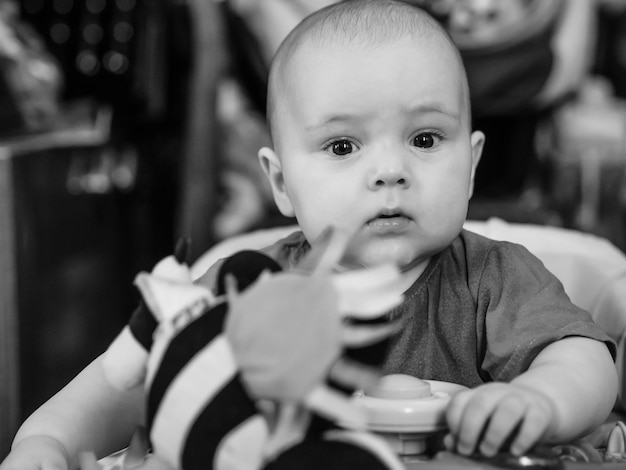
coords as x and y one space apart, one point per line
407 412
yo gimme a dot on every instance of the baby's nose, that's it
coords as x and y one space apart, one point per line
390 172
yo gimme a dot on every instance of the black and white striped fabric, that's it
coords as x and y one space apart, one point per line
198 412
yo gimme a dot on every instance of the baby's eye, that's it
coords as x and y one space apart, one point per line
341 147
426 140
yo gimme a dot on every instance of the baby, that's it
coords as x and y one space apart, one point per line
369 114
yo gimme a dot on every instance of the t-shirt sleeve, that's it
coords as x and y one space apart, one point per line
286 252
525 309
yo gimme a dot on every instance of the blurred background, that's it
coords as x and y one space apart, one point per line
126 124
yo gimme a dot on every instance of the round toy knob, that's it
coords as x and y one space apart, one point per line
404 404
400 387
405 411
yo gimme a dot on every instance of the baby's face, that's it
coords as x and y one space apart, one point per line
375 141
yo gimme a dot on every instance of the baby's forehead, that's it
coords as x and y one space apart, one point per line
311 45
314 53
338 31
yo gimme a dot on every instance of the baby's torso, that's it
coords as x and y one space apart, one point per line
480 311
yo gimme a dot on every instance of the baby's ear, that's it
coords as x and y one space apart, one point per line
477 140
274 171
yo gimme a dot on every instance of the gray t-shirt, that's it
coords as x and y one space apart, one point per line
480 312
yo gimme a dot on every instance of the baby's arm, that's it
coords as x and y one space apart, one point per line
568 390
86 415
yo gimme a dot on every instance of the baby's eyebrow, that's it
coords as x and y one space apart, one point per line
339 118
434 108
357 117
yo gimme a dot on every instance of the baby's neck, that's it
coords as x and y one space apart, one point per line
412 271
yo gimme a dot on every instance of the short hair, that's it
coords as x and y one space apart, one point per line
370 22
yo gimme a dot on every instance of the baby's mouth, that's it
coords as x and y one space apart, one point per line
389 222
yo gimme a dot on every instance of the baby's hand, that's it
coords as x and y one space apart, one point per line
498 417
36 453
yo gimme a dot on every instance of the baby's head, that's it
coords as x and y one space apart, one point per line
369 112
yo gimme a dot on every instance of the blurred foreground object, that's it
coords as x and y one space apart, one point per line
243 379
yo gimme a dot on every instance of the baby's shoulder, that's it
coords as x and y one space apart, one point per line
479 254
473 245
286 252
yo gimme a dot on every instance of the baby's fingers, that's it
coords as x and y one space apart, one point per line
466 419
534 426
497 417
502 424
470 415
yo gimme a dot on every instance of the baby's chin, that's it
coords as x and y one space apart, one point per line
377 252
